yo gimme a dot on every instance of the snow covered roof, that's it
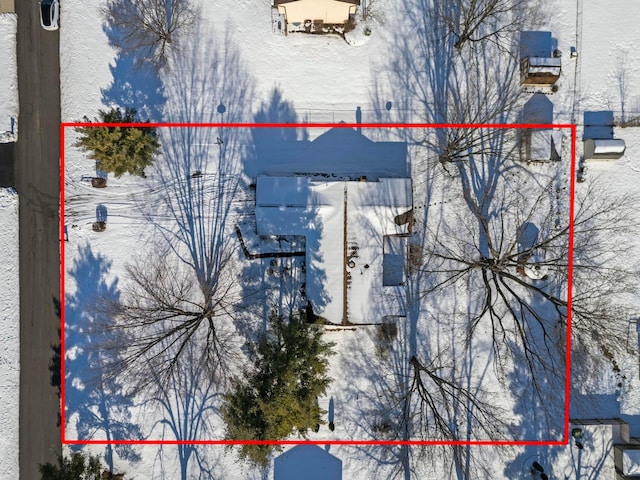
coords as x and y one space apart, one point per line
597 455
541 145
310 462
612 145
611 148
345 224
540 70
631 462
549 62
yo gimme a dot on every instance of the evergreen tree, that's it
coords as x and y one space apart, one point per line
278 396
119 150
78 467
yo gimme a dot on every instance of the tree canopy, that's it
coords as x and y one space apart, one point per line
78 467
278 396
119 150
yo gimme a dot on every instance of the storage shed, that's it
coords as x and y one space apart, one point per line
540 71
599 148
540 145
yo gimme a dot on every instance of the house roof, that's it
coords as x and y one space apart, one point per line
327 11
337 153
282 2
309 462
345 224
543 144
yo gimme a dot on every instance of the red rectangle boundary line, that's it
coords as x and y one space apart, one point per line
565 438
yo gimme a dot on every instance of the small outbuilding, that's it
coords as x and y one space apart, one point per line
541 145
540 59
308 462
603 148
540 71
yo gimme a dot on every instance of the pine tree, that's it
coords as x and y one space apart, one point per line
278 396
78 467
119 150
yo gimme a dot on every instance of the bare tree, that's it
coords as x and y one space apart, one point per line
622 82
161 312
604 280
488 255
186 290
526 314
148 28
469 216
201 167
436 394
475 21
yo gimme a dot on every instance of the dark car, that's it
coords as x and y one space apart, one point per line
50 14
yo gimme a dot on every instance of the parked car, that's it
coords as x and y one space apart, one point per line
50 14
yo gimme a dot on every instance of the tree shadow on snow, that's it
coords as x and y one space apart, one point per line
338 153
96 404
200 188
134 85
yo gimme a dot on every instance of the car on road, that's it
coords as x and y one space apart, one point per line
50 14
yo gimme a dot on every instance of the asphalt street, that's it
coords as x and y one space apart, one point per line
37 180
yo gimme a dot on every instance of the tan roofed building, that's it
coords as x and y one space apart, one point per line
316 16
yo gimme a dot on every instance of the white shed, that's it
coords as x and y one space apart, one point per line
308 462
609 148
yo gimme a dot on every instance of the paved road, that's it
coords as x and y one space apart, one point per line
37 181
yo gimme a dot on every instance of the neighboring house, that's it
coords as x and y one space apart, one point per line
317 16
540 60
598 436
308 462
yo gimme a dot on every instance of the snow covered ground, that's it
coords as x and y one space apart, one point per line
8 78
10 336
323 79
